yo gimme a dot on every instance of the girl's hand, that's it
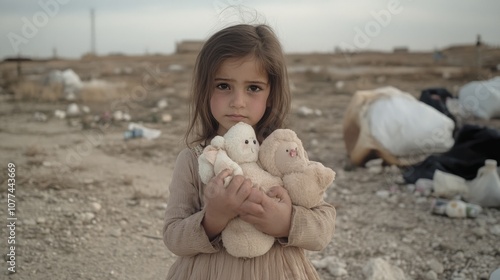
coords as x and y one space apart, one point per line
222 204
269 213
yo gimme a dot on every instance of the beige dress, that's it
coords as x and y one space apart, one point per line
183 234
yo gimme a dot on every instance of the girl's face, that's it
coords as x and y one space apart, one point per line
240 93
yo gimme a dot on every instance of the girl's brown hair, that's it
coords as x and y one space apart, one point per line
238 41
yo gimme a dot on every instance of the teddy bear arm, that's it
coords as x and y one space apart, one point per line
224 162
324 176
303 189
205 169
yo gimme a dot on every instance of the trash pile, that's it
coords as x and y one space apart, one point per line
395 126
455 163
76 114
71 82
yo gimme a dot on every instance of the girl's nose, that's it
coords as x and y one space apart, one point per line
238 99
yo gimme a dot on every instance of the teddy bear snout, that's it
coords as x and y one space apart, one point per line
293 152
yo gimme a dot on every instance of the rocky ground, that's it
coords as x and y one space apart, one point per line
90 205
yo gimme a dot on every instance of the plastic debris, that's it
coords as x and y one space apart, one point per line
455 208
138 130
485 188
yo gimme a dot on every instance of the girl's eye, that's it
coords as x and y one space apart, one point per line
254 88
246 141
223 86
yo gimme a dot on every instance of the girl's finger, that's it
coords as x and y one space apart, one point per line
244 190
223 174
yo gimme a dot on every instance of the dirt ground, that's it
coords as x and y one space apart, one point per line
90 205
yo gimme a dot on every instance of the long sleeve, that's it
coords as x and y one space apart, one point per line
311 229
183 233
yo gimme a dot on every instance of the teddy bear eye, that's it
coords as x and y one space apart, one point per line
255 141
246 141
287 150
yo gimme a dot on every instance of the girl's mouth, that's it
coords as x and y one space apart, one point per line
236 117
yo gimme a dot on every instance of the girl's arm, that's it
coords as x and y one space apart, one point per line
311 229
191 227
183 232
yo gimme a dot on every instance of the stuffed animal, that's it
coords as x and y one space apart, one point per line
214 160
283 155
239 150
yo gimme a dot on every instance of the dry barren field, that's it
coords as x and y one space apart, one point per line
90 205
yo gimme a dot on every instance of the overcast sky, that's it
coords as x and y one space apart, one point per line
36 28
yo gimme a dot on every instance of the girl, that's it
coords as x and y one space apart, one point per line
240 75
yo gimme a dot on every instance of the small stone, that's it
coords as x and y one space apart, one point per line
374 163
375 169
40 220
383 193
95 206
495 230
29 222
314 142
457 275
161 206
337 271
431 275
166 118
459 256
86 217
88 181
407 240
117 232
380 269
479 231
436 266
485 276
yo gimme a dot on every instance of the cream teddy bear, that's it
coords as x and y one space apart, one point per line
214 160
239 151
283 155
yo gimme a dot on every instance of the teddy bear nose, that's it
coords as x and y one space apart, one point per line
293 152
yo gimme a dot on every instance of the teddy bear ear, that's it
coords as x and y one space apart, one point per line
267 153
284 134
218 142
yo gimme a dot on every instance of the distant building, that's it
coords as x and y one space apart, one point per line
400 50
189 46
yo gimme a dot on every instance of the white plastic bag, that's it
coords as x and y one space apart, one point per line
395 126
406 126
481 98
448 185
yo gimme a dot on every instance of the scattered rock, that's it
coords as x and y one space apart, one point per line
436 266
495 230
116 232
96 207
431 275
379 269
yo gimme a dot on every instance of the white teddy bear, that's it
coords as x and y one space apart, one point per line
238 150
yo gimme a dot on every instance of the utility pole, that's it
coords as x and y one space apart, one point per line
478 55
92 32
